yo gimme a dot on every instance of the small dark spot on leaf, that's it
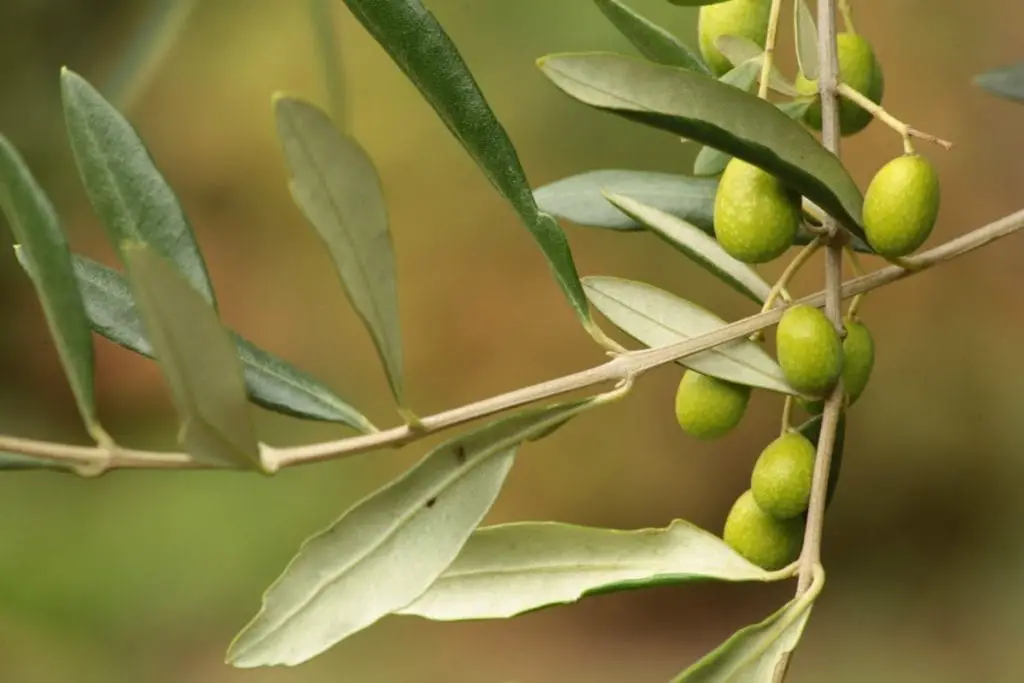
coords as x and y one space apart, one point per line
431 503
460 454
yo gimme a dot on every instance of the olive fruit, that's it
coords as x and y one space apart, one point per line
901 206
858 68
809 351
707 407
858 361
781 480
745 18
768 542
756 216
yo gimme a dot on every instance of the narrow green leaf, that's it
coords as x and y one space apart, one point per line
752 653
795 109
702 109
806 40
510 569
740 50
388 549
328 52
579 198
420 47
695 3
711 161
656 318
271 382
651 40
1006 82
198 361
36 226
812 431
701 248
130 196
336 185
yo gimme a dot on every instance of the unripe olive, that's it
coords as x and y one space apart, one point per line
809 351
756 216
901 206
745 18
781 480
768 542
707 407
858 68
858 361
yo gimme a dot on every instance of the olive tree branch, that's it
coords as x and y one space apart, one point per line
625 367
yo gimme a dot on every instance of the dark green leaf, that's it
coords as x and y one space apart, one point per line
271 382
652 41
389 548
421 48
579 198
132 199
806 40
709 112
198 361
711 161
337 187
1006 82
36 227
812 431
514 568
656 318
752 653
698 246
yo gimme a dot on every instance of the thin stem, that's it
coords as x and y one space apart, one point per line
847 12
787 416
769 49
622 368
858 270
888 119
791 270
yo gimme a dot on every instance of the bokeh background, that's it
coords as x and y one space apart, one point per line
147 576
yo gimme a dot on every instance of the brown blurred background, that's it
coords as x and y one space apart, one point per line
147 576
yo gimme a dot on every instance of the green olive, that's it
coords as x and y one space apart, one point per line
756 216
809 351
901 206
744 18
707 407
768 542
781 480
858 361
858 68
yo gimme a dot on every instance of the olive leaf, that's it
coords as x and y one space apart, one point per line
198 361
325 39
271 382
580 198
698 246
1006 82
130 196
698 107
420 47
695 3
740 50
37 228
384 552
651 40
806 40
752 654
656 318
509 569
711 161
336 185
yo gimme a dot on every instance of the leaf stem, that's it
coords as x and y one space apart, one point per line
791 270
858 270
876 110
769 49
787 416
621 368
847 12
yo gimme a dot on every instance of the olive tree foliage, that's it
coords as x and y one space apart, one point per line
415 546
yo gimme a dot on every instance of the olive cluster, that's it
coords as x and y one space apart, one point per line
757 218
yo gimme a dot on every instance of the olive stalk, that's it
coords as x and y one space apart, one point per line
879 112
768 57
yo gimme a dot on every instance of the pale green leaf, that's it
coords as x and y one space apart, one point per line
651 40
37 228
384 552
510 569
740 50
1006 82
336 185
656 318
130 196
701 248
752 654
702 109
198 361
806 40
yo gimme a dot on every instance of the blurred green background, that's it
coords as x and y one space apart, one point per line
147 576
